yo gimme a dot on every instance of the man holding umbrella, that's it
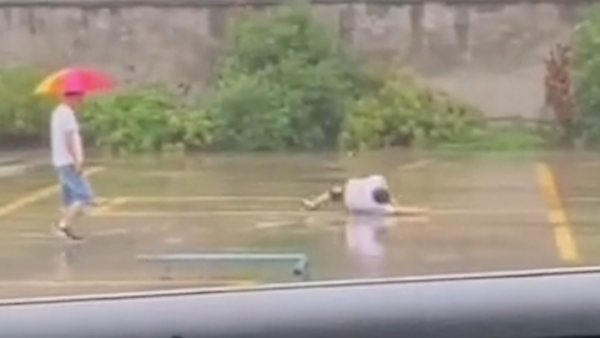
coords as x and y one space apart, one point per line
66 142
68 158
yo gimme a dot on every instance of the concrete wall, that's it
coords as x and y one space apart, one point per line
180 44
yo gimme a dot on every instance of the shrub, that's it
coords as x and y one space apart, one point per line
406 112
283 86
193 130
23 116
143 120
501 138
586 75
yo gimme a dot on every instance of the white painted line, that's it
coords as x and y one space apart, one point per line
121 283
582 199
497 212
32 237
278 224
180 199
416 165
108 205
591 164
37 195
110 232
191 214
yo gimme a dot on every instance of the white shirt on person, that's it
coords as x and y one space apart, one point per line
358 195
64 121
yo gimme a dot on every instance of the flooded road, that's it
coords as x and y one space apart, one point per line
488 213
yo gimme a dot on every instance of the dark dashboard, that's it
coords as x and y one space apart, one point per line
530 304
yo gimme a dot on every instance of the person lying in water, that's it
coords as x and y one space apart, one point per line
365 195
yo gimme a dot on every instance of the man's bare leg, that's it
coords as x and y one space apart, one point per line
326 197
316 202
69 215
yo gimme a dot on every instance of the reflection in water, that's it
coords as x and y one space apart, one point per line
364 240
65 259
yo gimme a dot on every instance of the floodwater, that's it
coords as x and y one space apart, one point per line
488 213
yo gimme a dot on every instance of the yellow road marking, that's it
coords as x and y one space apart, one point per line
37 195
108 205
557 215
123 283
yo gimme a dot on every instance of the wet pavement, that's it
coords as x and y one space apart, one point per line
488 213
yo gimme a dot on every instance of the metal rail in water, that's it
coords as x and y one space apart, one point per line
300 267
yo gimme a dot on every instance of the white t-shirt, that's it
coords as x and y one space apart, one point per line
63 121
358 195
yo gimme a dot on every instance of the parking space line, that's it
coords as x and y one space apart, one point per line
277 224
583 199
271 212
589 164
38 195
416 164
182 199
124 283
557 215
108 205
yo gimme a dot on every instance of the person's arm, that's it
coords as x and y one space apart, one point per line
70 129
396 209
400 210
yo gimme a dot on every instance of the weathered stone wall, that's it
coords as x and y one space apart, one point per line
178 44
181 45
138 44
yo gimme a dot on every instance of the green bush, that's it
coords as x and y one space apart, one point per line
512 139
284 85
405 112
23 116
193 130
586 75
143 120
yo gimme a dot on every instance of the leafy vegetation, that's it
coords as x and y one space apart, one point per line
586 75
285 84
23 117
405 112
144 120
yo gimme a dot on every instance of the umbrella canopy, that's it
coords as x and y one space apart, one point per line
75 80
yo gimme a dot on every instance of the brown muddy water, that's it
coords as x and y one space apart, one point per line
492 212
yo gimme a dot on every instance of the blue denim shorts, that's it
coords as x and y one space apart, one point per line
74 187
